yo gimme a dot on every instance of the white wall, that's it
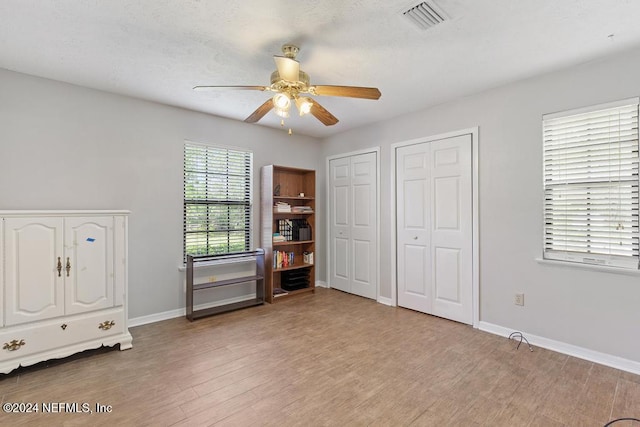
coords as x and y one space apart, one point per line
67 147
594 310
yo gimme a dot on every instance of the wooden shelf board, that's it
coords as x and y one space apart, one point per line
292 267
286 214
292 294
197 314
293 198
226 282
293 242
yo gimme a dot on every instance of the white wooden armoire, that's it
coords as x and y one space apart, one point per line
63 278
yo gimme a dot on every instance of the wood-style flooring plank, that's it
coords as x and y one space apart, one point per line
323 359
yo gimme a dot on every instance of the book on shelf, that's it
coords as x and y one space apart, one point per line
282 207
279 292
307 257
301 209
277 237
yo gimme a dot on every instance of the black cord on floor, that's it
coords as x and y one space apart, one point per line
516 335
620 419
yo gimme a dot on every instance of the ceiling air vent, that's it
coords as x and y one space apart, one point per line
425 15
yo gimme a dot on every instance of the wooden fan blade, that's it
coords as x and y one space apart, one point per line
289 69
348 91
321 113
205 88
260 112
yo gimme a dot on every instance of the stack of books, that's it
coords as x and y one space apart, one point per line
282 207
277 237
282 259
301 209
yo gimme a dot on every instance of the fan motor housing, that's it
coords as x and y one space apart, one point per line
278 82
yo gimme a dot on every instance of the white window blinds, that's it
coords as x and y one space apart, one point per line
591 185
217 200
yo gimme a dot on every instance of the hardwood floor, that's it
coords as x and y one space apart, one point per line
324 359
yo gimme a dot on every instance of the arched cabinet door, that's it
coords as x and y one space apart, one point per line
89 263
34 269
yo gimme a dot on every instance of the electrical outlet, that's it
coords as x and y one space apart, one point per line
519 299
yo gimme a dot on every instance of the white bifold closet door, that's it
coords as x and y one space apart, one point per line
353 224
434 228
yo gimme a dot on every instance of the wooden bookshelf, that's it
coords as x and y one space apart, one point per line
285 185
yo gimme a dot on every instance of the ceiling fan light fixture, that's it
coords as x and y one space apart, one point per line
304 105
282 112
282 101
288 82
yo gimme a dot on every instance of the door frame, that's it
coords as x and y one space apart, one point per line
375 150
475 245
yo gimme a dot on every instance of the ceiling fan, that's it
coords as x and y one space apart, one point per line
291 86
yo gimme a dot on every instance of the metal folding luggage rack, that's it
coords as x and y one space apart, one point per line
258 278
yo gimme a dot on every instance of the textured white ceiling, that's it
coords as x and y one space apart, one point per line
159 49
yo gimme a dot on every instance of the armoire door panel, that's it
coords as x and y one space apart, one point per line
91 274
34 284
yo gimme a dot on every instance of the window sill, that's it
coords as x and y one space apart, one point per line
201 265
580 266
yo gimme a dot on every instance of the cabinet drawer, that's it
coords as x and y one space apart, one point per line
60 332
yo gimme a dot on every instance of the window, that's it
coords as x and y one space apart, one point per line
591 185
217 200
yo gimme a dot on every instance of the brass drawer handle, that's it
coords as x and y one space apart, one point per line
68 266
13 345
59 267
63 326
107 324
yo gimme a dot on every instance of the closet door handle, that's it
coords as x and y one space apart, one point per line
68 266
59 267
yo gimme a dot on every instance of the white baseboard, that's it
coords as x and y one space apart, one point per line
569 349
181 312
385 301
